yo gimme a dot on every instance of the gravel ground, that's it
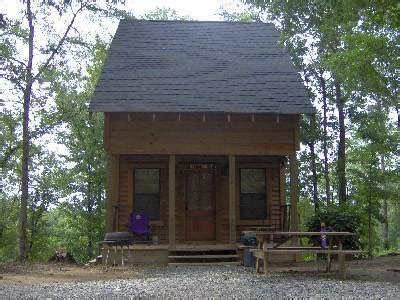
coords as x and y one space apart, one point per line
208 282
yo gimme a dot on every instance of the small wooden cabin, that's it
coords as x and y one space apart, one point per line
200 118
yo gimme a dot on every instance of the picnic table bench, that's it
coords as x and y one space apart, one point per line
266 246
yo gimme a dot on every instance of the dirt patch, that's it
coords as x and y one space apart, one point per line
17 273
383 269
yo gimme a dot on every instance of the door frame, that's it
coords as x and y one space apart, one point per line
214 171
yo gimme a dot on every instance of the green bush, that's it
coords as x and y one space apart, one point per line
336 219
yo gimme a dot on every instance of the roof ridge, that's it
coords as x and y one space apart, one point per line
132 20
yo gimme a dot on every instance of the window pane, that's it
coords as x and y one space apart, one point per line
253 200
147 181
252 181
253 207
148 204
147 192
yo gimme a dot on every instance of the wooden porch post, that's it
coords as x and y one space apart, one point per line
112 193
294 194
282 191
171 201
232 202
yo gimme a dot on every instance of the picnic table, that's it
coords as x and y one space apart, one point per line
272 242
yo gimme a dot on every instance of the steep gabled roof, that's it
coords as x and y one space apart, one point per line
178 66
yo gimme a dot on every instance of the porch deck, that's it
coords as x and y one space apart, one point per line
163 253
194 252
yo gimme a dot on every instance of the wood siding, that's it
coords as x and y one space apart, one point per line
125 204
202 134
127 163
273 167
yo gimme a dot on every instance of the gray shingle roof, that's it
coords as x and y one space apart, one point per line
177 66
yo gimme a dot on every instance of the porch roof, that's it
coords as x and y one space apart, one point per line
180 66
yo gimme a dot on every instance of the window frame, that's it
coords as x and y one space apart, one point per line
159 190
268 193
163 187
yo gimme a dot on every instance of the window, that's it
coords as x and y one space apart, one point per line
253 204
147 192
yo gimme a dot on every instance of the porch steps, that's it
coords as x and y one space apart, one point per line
203 256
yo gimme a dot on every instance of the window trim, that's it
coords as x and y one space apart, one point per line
263 193
159 189
163 177
268 192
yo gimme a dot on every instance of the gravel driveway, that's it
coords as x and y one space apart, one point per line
206 282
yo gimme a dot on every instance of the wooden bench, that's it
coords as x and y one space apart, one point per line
262 255
274 242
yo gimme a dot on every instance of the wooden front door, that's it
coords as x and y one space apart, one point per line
200 205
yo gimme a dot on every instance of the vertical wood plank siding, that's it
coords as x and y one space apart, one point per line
160 228
137 140
127 165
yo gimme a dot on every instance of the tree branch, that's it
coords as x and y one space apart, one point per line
17 61
15 81
59 45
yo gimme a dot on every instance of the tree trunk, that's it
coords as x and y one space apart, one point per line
314 176
90 196
341 164
370 210
385 212
23 213
324 145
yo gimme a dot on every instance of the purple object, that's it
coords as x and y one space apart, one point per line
324 242
139 223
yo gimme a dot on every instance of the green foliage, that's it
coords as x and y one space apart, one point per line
352 45
8 227
239 15
10 149
306 210
165 14
337 219
85 184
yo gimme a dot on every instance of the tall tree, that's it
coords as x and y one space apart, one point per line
30 78
322 84
29 73
341 32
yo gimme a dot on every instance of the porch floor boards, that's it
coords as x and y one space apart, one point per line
179 255
178 247
141 247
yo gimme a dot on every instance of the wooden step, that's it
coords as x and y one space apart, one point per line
205 256
204 248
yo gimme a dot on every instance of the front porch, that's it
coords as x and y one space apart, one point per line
203 199
182 254
199 204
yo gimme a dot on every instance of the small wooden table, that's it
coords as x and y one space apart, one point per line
267 246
